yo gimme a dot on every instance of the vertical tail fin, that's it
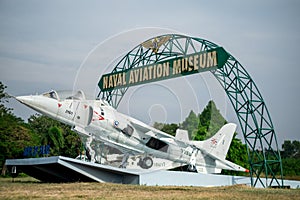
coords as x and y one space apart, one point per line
182 135
218 145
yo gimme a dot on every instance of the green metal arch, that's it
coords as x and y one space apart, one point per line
252 113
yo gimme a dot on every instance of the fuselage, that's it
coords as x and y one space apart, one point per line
98 120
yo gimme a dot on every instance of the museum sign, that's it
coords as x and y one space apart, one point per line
167 69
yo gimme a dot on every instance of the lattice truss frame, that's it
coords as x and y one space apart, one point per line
247 101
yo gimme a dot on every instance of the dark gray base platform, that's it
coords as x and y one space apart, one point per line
63 169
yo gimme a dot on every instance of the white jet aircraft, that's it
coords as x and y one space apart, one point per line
97 121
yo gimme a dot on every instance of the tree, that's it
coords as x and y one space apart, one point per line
167 128
291 167
291 158
297 149
170 128
237 153
205 125
191 124
3 99
158 125
55 139
291 149
41 124
73 144
15 135
62 140
201 133
211 120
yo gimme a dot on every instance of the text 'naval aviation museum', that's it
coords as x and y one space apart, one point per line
180 66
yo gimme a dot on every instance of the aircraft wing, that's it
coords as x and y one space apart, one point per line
121 147
157 134
150 131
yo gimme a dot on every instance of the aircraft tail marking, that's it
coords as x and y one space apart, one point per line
218 145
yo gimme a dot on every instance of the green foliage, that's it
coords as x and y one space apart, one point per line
41 124
3 99
158 125
62 140
291 149
291 158
14 133
55 139
191 124
167 128
237 153
14 137
204 126
291 166
211 121
73 145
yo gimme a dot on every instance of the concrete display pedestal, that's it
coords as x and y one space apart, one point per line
63 169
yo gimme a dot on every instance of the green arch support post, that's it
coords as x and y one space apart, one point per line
251 110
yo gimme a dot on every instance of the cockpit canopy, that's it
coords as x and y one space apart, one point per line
62 95
71 95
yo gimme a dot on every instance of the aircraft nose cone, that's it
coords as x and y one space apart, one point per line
25 99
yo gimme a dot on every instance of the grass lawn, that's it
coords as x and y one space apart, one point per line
29 188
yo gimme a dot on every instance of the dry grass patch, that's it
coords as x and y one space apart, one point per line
31 189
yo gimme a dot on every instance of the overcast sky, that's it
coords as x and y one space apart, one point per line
67 44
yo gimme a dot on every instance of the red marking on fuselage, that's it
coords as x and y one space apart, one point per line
98 117
59 105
